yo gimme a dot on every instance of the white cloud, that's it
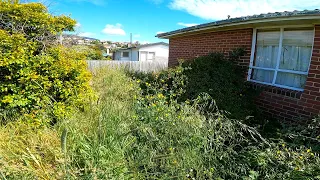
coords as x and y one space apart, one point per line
78 25
137 36
145 42
114 30
87 34
220 9
187 24
160 32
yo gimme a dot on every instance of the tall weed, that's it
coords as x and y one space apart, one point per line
129 132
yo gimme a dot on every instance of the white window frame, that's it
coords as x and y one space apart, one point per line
154 57
276 69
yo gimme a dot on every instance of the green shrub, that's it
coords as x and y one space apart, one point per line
34 22
36 73
183 132
91 51
215 74
224 81
182 140
171 83
30 82
306 133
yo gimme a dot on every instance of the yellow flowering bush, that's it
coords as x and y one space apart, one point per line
34 74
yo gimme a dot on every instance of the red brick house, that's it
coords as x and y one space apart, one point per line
283 56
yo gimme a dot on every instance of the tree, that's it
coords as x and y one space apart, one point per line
35 71
33 21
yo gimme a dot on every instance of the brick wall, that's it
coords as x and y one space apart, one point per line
188 47
280 103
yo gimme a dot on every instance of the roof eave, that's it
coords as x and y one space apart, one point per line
249 23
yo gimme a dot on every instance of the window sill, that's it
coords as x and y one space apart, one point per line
277 90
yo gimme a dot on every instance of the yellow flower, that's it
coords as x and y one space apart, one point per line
7 99
160 96
175 162
300 157
308 150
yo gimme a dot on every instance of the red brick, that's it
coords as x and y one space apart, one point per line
312 110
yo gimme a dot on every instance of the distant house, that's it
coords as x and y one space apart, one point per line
80 41
107 52
283 56
148 52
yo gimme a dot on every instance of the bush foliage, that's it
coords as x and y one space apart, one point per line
33 21
215 74
34 71
195 139
91 52
223 80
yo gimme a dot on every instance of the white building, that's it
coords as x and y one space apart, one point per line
148 52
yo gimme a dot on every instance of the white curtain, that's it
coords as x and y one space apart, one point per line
266 55
262 75
291 80
295 56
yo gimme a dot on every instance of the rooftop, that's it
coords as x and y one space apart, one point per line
277 16
146 45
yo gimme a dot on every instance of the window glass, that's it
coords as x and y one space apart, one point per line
125 54
291 79
151 55
262 75
267 49
296 50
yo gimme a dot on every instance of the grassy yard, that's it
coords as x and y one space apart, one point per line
126 132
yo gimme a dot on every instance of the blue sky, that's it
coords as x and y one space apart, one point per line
115 19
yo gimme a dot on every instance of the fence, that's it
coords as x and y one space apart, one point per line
143 66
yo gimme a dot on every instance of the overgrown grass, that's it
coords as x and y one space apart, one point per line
27 153
95 142
99 136
130 133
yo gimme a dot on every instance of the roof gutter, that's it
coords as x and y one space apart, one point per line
246 22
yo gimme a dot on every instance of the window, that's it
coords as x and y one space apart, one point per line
281 57
151 55
125 54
